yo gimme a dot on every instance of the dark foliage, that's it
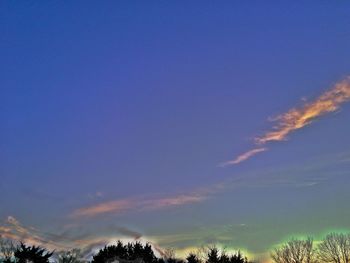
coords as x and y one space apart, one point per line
238 258
24 253
192 258
131 251
214 256
174 260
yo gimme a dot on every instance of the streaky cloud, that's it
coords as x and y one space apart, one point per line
244 156
116 206
299 117
172 201
14 230
128 232
128 205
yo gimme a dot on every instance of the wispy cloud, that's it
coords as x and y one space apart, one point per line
116 206
198 195
14 230
148 203
76 235
172 201
299 117
244 156
128 232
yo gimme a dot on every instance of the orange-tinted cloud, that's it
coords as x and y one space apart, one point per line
14 230
120 206
117 206
244 156
300 117
173 201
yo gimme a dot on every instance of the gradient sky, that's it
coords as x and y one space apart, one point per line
119 120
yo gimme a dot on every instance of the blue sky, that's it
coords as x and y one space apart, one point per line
133 105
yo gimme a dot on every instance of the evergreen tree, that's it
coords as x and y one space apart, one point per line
24 253
238 258
192 258
131 251
213 255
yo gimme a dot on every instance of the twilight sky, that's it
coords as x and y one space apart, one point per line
180 123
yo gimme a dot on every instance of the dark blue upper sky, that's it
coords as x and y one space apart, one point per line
143 99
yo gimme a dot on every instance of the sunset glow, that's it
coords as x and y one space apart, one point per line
183 125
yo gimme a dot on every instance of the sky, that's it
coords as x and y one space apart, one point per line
181 123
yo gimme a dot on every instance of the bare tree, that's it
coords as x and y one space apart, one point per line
335 248
169 255
72 256
202 253
295 251
7 249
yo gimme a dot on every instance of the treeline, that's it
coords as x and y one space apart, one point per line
334 248
119 253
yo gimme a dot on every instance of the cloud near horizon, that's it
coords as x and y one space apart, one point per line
116 206
124 205
297 118
15 231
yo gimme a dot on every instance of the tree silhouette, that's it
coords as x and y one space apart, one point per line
224 258
335 248
110 253
296 251
213 255
131 251
192 258
169 256
238 258
24 253
7 249
72 256
148 254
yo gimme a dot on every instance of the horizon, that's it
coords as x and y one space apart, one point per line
181 124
